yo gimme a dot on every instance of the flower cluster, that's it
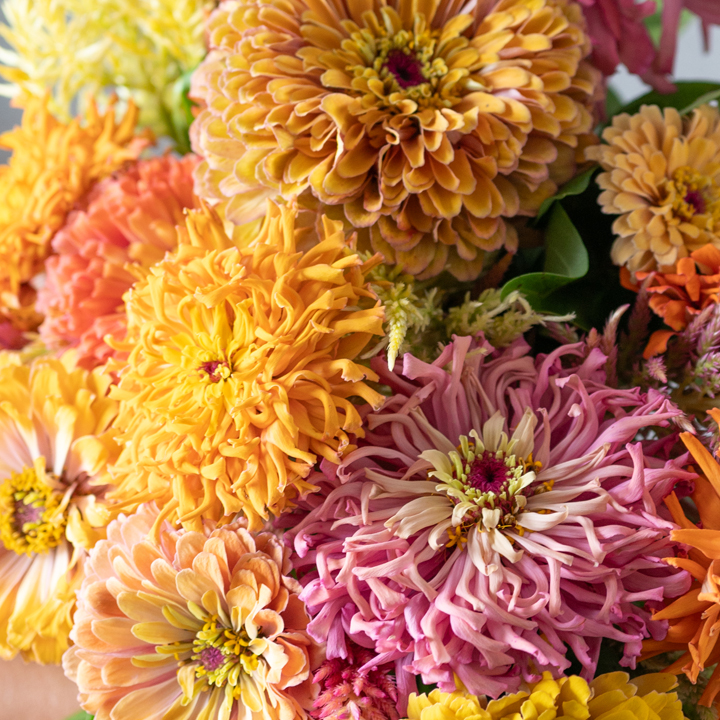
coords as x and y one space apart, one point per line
320 421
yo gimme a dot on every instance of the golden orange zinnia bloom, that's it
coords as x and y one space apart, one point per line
52 167
663 181
54 449
241 366
191 625
694 619
423 127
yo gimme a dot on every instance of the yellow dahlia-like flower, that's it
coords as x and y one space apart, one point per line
663 181
52 167
191 626
424 127
83 48
241 368
613 695
54 449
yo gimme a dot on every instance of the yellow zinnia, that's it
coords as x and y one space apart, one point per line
612 696
422 124
241 366
52 167
54 449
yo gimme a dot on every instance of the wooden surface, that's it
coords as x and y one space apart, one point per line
35 692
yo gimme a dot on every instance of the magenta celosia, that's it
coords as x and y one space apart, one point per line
498 511
354 688
130 220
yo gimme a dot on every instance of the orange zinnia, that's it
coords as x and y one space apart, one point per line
241 366
694 619
52 167
422 124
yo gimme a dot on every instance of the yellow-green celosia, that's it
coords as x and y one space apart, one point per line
139 49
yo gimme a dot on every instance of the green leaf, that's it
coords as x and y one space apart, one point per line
702 100
613 103
687 94
422 687
566 260
80 715
577 185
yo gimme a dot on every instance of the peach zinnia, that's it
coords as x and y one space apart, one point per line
51 169
662 180
191 625
129 225
54 449
241 366
424 127
695 617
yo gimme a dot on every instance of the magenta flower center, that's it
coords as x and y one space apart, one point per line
696 199
26 514
211 658
406 69
487 474
214 370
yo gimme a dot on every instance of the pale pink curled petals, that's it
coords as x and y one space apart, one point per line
500 510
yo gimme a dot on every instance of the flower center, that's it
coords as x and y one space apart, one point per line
405 67
489 488
32 518
224 654
215 370
695 197
487 474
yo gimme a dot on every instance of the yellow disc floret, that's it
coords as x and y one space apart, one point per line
32 518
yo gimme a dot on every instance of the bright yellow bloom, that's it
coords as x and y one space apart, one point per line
241 366
85 47
54 449
52 167
662 178
613 695
421 124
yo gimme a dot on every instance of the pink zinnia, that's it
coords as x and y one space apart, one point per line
130 219
498 512
619 35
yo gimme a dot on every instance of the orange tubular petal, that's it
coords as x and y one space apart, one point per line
706 461
687 605
707 541
676 511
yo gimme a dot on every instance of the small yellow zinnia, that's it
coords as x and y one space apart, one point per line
55 445
613 695
241 368
52 167
662 180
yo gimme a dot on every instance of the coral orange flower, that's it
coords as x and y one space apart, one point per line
191 625
129 225
54 449
662 178
51 169
423 123
241 366
694 619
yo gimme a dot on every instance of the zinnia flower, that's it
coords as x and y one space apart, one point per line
51 169
613 695
662 175
190 625
241 366
619 35
54 449
424 127
695 616
497 513
79 49
353 688
129 224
